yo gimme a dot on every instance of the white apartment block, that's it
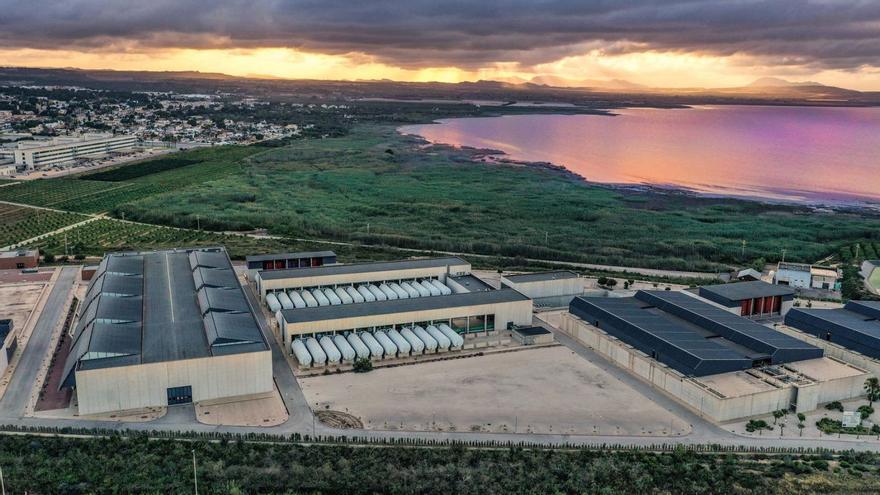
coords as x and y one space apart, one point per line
38 154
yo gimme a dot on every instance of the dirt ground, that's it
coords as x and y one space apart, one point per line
18 300
257 410
543 390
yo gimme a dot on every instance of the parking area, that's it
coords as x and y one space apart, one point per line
540 390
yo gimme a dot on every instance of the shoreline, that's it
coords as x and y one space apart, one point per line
500 157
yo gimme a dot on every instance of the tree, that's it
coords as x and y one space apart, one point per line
801 418
872 388
778 414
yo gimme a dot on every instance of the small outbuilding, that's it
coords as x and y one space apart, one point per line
533 335
545 284
19 260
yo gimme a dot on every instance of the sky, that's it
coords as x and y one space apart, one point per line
672 43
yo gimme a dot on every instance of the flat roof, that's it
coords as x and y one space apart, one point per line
472 282
856 326
323 313
162 306
532 331
374 266
301 254
541 276
739 291
19 253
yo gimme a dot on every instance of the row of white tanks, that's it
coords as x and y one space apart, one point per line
380 344
310 298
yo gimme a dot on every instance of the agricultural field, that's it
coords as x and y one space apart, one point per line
18 223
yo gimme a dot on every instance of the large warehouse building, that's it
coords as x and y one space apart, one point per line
721 365
856 326
163 328
37 154
285 261
384 310
753 299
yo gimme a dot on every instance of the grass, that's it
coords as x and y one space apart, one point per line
376 187
18 223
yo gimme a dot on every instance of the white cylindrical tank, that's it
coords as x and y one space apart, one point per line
332 297
333 354
378 294
443 342
401 294
296 299
355 295
456 339
402 344
318 356
431 288
415 343
390 294
285 301
343 296
358 345
279 318
443 289
386 343
366 293
273 303
423 292
301 353
310 300
319 296
375 347
409 289
344 347
430 342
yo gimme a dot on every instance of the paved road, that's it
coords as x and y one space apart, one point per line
18 392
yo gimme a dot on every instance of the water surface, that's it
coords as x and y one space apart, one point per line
804 154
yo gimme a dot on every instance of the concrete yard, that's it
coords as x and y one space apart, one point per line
257 410
18 300
541 390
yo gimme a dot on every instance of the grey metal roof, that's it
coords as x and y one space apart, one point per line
323 313
855 326
532 331
472 283
739 291
376 266
287 256
146 308
541 276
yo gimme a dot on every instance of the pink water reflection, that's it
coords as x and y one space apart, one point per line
791 153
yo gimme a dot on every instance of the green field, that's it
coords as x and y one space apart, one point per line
19 223
376 187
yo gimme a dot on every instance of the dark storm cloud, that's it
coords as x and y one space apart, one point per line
822 34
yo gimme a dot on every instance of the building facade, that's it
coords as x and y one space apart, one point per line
18 260
39 154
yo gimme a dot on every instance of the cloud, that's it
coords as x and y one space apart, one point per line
819 35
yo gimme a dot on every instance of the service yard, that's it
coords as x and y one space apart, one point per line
539 390
18 300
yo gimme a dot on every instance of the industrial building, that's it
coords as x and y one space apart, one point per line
545 284
8 343
856 326
163 328
38 154
334 314
804 276
721 365
754 299
19 260
284 261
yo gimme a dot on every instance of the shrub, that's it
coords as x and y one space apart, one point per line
834 406
363 365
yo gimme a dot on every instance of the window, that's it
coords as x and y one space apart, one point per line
490 322
477 323
460 325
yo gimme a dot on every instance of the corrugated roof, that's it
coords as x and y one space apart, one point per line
284 256
855 326
323 313
541 276
739 291
145 307
376 266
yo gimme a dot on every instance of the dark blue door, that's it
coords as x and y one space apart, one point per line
180 395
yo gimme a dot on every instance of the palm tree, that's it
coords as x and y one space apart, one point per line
872 387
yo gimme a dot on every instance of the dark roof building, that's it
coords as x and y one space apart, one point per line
856 326
377 266
541 276
755 298
690 335
162 306
283 261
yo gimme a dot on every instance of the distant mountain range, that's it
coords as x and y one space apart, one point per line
547 88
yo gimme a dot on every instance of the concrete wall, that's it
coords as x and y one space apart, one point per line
690 392
145 385
547 288
793 277
516 312
871 365
296 282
